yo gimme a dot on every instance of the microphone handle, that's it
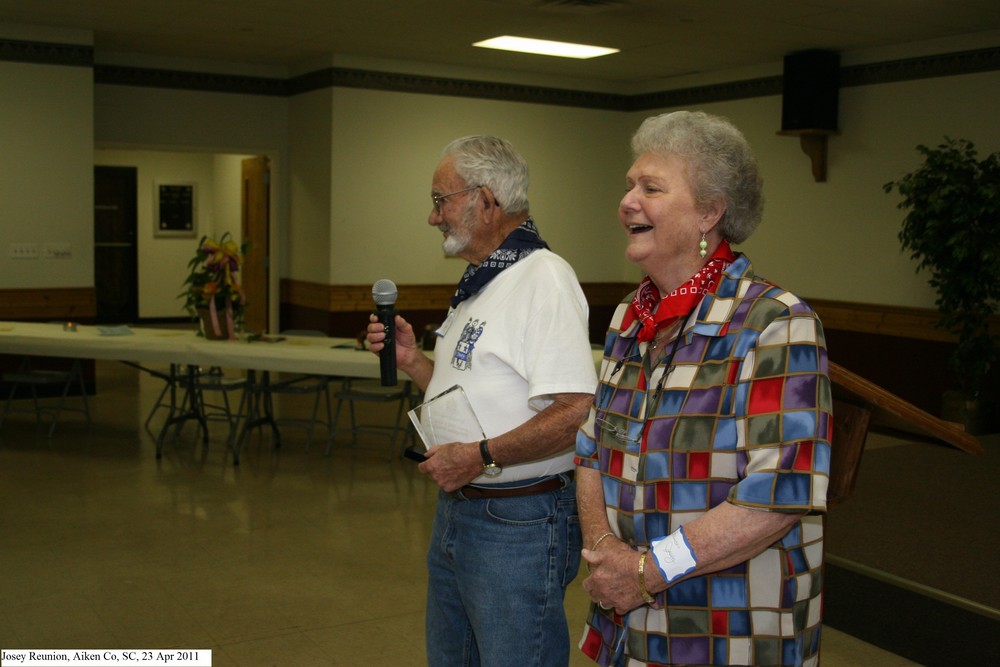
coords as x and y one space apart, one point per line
387 357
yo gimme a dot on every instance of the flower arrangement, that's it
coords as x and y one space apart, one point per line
212 289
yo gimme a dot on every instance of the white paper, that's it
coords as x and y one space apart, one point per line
447 418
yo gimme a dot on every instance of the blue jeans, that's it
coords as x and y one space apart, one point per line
498 570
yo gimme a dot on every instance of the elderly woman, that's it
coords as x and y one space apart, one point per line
703 465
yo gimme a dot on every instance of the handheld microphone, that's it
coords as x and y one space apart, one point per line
384 294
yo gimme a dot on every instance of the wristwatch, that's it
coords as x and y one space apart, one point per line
490 467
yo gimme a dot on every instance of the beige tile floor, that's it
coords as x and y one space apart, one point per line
291 559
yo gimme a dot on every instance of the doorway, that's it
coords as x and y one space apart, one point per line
116 263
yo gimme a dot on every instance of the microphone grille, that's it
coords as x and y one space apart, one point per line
384 292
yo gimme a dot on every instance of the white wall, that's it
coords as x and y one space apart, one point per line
46 175
227 191
307 254
833 240
351 206
189 120
386 146
838 239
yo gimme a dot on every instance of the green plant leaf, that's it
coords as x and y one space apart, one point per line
951 228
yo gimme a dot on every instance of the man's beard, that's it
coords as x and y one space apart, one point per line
459 237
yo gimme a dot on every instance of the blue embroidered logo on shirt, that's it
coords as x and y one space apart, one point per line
462 359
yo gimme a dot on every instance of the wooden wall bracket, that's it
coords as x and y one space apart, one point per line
813 143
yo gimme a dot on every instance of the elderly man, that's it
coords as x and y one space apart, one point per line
506 538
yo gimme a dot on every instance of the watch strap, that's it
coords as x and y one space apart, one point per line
484 451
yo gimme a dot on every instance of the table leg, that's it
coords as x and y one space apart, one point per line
260 411
188 408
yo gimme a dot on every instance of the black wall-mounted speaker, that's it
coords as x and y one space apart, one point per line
811 87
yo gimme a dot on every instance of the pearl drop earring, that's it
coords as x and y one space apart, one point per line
702 246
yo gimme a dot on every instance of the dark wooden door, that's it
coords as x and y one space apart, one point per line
116 264
256 232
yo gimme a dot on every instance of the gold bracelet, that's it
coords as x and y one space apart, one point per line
649 599
600 539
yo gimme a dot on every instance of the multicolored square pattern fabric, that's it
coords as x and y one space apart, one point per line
738 410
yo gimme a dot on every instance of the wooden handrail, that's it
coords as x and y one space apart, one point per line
891 412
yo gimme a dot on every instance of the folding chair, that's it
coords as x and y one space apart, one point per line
35 378
354 390
259 401
371 391
212 380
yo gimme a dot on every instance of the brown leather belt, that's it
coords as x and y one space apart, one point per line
554 483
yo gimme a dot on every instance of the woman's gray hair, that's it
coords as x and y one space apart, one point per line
720 165
495 163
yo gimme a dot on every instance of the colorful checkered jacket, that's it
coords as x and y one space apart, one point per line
738 411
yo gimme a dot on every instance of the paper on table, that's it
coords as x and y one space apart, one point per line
448 417
116 330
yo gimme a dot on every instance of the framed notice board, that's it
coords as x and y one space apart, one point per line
175 207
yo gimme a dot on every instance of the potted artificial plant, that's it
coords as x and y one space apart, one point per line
952 228
212 291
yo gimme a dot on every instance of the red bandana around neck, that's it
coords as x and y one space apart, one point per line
656 312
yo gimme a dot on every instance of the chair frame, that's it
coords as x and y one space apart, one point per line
26 375
259 406
368 392
194 382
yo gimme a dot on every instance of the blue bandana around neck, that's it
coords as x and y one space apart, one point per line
519 244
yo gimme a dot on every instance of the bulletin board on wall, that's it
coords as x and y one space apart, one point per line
175 210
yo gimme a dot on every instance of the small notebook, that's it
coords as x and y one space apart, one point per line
447 418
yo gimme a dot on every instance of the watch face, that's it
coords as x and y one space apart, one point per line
492 470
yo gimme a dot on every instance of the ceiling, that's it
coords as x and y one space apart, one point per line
659 39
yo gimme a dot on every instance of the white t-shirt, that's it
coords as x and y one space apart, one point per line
521 339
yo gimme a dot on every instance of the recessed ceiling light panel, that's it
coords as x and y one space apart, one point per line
545 47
